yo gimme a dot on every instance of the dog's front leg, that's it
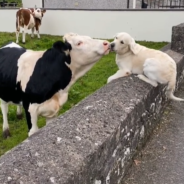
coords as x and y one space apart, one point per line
118 74
145 79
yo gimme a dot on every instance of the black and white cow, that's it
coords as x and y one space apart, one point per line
28 77
40 80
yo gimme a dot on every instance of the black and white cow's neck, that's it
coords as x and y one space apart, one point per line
77 72
50 75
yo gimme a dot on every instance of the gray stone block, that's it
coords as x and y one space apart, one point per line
177 42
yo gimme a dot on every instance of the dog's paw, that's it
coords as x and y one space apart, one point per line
155 84
145 79
140 76
109 80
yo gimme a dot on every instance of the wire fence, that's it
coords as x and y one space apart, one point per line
114 4
149 4
164 4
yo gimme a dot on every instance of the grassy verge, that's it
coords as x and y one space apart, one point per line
19 3
92 81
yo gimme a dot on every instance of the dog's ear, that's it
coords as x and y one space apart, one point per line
114 36
134 47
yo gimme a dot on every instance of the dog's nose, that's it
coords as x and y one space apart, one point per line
112 45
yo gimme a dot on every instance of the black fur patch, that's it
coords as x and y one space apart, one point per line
50 74
9 90
61 47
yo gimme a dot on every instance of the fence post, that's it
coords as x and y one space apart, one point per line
128 4
177 38
134 4
43 4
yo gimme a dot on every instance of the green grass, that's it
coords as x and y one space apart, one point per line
19 2
89 83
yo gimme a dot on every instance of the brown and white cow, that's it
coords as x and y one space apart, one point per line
28 19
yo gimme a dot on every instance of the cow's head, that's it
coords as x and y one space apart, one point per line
38 13
86 50
63 48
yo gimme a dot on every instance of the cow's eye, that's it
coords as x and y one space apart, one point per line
79 43
122 42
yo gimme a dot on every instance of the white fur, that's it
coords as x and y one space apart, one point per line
26 65
12 45
4 109
19 110
152 66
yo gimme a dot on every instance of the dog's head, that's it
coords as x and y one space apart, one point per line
124 43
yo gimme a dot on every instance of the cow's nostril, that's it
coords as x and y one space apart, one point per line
105 43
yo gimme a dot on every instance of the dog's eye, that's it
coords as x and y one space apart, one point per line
122 42
116 38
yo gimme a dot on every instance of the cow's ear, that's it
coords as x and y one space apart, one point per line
64 39
58 45
43 10
68 45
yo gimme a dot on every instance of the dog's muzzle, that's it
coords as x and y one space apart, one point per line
111 46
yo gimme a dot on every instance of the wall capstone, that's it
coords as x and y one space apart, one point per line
177 42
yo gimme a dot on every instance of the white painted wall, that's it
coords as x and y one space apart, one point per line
142 25
32 3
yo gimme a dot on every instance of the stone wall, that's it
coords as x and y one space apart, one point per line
94 142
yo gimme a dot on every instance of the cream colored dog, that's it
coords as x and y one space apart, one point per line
152 66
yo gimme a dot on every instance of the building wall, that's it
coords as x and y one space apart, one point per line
32 3
142 25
